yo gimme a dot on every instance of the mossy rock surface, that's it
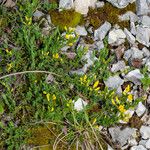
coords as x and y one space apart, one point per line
68 18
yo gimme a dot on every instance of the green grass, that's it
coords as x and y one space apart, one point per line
29 105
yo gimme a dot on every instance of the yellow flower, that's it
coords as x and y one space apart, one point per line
67 36
117 100
65 28
56 56
44 92
130 97
48 96
70 44
54 97
9 66
52 109
71 29
28 20
97 89
127 89
121 108
94 121
95 84
85 77
113 102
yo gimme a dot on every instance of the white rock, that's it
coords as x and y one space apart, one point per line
132 142
146 21
139 147
66 4
122 136
102 31
80 30
133 28
140 110
143 35
148 65
145 132
79 104
109 148
142 7
135 76
143 142
129 36
114 82
82 6
146 52
127 54
100 45
129 16
119 66
115 35
120 3
148 144
136 53
99 4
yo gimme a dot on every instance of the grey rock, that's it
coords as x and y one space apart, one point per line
146 52
65 48
134 76
142 7
114 82
145 20
37 15
136 53
80 30
99 4
140 110
133 28
132 142
148 65
129 16
148 144
66 4
78 72
143 142
115 35
120 3
102 31
143 35
122 136
109 148
127 54
129 36
100 45
145 132
119 66
139 147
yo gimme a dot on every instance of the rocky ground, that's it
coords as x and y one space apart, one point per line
132 49
131 46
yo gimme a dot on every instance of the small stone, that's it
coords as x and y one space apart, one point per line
145 21
129 36
132 142
145 132
133 28
148 65
140 110
129 16
142 7
148 144
136 53
114 82
119 66
122 136
109 148
100 45
143 142
65 4
146 52
102 31
127 54
135 76
79 104
37 15
115 35
65 48
99 4
142 36
139 147
80 30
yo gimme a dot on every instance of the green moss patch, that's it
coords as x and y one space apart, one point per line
68 18
109 13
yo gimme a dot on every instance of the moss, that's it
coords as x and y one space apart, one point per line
109 13
68 18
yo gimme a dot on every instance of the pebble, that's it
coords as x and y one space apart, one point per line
102 31
80 30
79 104
145 132
139 147
37 15
119 66
65 4
140 110
130 37
148 144
145 21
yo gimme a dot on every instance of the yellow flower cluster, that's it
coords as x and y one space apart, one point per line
95 86
49 96
84 80
28 20
56 56
121 108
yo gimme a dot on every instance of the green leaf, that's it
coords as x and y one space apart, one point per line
1 108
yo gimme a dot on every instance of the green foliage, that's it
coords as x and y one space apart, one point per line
146 80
